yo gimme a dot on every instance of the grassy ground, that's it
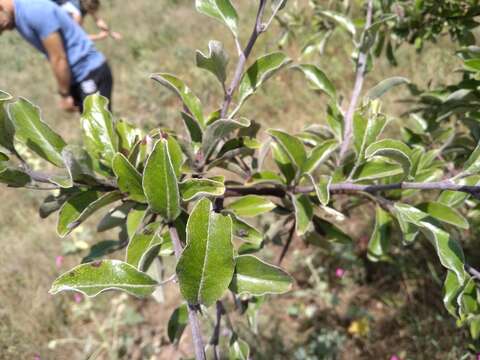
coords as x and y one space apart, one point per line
162 35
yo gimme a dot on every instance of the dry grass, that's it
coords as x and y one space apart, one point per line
160 35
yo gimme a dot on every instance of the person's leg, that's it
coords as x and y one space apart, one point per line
104 80
76 94
99 80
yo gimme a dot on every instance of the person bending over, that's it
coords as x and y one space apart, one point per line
78 9
80 70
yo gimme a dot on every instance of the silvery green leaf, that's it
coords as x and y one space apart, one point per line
128 178
194 188
96 277
189 99
99 135
80 207
384 86
255 277
380 240
317 79
392 149
160 182
258 73
215 62
7 130
34 133
206 265
221 10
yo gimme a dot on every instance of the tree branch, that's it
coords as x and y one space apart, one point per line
357 89
243 56
214 341
280 191
291 235
192 310
40 177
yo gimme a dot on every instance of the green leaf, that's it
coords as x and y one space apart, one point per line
193 128
303 213
341 19
265 177
384 86
292 145
191 102
456 198
445 213
206 266
221 10
377 169
238 349
283 161
94 278
254 277
251 206
160 183
52 204
102 249
317 79
245 231
100 137
335 120
319 155
194 188
365 132
472 165
13 177
128 135
115 217
135 218
392 149
79 164
128 178
328 231
176 155
448 250
219 130
177 324
451 289
259 72
141 243
322 188
380 240
215 62
7 130
78 208
34 133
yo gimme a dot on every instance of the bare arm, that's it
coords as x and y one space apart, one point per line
105 31
61 69
58 60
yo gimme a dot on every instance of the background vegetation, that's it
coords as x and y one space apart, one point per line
349 310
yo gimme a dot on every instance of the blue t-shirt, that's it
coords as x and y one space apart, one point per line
37 19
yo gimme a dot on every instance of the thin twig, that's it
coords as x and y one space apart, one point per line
242 59
348 187
192 309
472 271
214 341
357 89
291 235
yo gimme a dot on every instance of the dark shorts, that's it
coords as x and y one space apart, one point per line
99 80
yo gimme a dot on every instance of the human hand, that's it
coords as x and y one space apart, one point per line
67 104
116 35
